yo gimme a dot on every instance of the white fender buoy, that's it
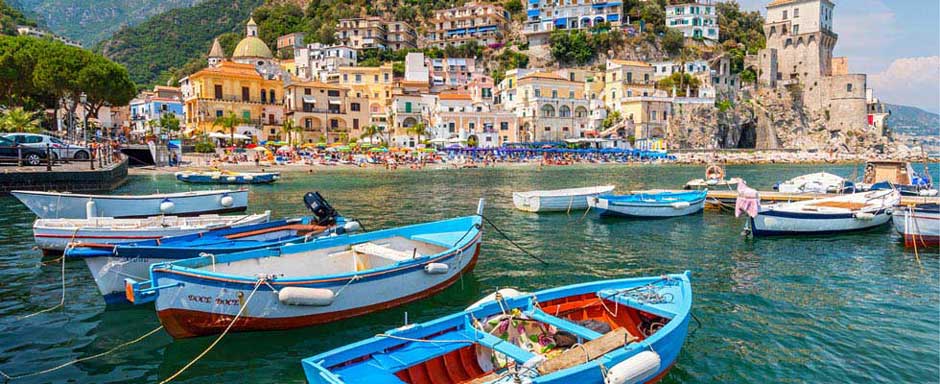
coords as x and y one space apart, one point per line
215 177
230 178
635 369
275 177
305 296
226 201
436 268
711 182
680 204
177 174
505 293
352 226
166 206
248 177
90 209
185 176
866 216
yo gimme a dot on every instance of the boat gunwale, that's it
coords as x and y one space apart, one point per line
586 191
177 267
200 193
367 347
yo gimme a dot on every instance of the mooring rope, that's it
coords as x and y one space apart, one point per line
58 367
62 301
501 233
218 339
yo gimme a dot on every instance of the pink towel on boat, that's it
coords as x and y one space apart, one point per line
747 201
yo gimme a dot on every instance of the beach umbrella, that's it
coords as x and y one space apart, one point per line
343 149
365 145
251 146
379 150
260 149
286 148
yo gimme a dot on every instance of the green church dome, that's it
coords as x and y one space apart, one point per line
252 47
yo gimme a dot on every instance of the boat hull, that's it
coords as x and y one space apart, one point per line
918 227
561 203
203 306
74 206
771 223
238 179
608 208
109 274
56 239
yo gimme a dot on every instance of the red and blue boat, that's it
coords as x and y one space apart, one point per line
615 331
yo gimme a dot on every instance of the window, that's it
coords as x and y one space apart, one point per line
246 115
646 77
355 123
796 29
554 93
796 12
538 92
218 92
354 107
570 94
629 77
306 91
784 14
246 95
450 127
358 78
471 126
218 113
264 96
272 97
504 126
332 93
848 87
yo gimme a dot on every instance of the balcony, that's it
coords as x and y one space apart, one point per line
238 99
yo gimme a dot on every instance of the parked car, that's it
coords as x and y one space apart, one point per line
10 152
59 148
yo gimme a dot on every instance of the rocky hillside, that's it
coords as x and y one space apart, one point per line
92 21
913 121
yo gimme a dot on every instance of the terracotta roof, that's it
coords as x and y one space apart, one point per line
544 75
415 82
454 96
630 62
231 69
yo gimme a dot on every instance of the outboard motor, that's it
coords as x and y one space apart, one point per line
323 212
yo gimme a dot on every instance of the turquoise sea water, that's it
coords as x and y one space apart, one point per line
852 308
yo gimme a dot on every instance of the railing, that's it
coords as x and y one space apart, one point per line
103 154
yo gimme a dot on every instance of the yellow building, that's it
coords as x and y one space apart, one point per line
551 106
374 83
236 88
649 117
326 112
626 78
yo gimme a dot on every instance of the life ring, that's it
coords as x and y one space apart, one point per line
714 172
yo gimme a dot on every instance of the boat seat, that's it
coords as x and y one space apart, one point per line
373 249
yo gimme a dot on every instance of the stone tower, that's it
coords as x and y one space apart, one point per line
800 42
252 28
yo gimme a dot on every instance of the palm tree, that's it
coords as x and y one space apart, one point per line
418 130
19 120
371 131
229 122
290 128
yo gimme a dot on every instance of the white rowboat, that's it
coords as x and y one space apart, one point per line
56 234
559 200
920 225
64 205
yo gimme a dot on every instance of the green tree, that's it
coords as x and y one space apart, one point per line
673 41
104 83
372 131
228 122
571 47
169 123
418 130
19 120
681 81
653 14
291 130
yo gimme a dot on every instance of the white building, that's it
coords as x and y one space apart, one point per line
416 68
664 69
26 30
545 16
697 20
317 61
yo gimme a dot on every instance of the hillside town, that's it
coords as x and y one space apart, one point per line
799 96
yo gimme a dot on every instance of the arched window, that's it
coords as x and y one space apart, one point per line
264 97
548 111
564 111
272 96
580 112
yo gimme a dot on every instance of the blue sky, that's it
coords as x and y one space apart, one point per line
896 42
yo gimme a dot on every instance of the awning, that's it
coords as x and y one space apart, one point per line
335 102
310 99
599 5
613 17
562 22
532 13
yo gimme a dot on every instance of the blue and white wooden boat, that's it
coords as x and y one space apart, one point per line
845 213
650 204
64 205
919 225
605 332
228 177
110 264
897 175
321 281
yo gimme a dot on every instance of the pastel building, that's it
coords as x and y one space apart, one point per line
376 32
696 20
452 73
664 69
321 62
551 107
625 79
150 106
457 117
326 112
545 16
483 23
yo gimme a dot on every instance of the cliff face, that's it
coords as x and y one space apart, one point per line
766 119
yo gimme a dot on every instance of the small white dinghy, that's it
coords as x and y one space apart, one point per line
56 234
852 212
559 200
65 205
819 182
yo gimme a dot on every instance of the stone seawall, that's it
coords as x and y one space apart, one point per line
71 180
